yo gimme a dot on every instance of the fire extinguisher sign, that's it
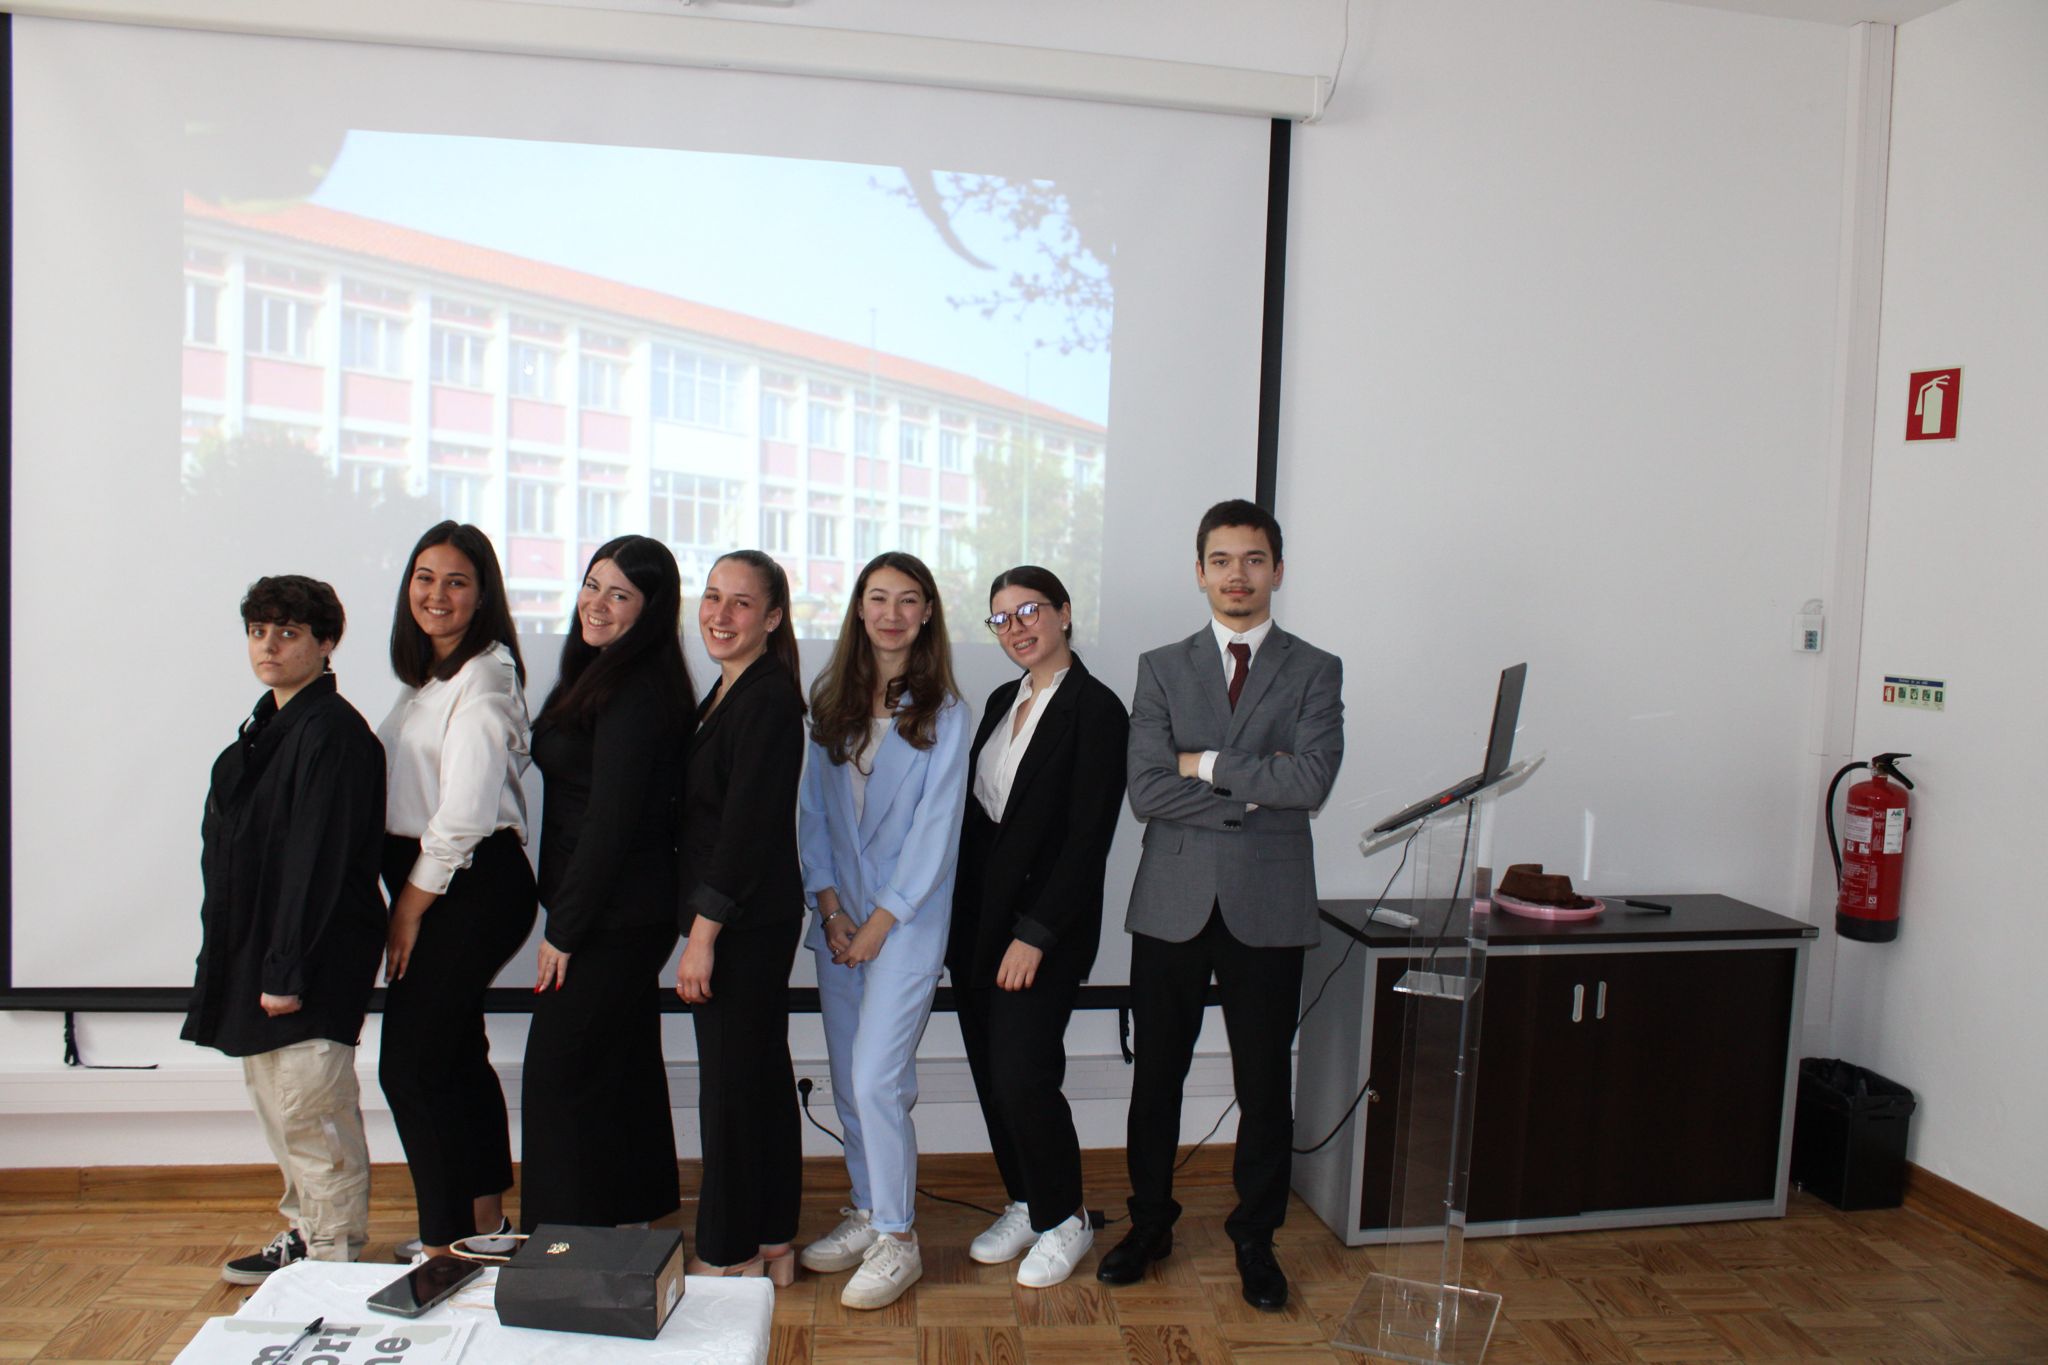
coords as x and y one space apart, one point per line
1921 694
1934 398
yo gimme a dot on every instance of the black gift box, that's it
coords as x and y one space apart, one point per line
616 1282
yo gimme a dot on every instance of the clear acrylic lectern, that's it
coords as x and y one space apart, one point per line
1415 1307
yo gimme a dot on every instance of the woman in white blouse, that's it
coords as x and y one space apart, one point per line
462 892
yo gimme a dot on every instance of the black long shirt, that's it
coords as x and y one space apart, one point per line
290 846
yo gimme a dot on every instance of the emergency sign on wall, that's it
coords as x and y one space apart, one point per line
1933 398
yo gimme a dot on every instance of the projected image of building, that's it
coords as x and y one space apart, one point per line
557 409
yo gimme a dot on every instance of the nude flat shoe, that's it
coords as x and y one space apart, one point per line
750 1269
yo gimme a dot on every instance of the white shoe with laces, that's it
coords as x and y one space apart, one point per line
1009 1237
842 1247
890 1266
1056 1252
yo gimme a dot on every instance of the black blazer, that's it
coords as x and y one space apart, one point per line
290 846
1038 875
739 810
613 788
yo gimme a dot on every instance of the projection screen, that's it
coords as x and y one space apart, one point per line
278 305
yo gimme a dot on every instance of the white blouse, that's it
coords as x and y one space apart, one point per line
864 763
454 751
996 773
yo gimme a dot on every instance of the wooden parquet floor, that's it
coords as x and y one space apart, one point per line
123 1265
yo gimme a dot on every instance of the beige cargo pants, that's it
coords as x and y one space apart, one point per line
310 1107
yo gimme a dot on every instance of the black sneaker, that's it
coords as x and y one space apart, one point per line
285 1248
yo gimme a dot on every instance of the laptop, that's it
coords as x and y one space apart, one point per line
1500 749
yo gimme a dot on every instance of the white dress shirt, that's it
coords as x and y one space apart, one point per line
454 751
996 772
1225 638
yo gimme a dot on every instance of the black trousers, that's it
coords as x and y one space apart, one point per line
746 1104
1017 1050
435 1063
597 1139
1261 992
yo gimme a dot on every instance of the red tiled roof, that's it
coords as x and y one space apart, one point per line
384 241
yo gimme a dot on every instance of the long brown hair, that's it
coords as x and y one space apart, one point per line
842 698
412 653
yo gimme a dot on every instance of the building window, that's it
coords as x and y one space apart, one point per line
202 313
952 549
532 372
372 479
689 387
598 512
372 341
864 425
910 539
824 425
459 493
280 326
775 415
824 542
952 450
598 381
694 510
910 444
775 530
867 538
459 357
530 506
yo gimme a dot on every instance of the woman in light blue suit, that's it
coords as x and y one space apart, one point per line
878 829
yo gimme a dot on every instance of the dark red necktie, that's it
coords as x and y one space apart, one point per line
1242 654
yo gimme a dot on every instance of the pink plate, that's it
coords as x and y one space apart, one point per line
1531 910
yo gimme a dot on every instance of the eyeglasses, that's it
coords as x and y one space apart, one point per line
1023 616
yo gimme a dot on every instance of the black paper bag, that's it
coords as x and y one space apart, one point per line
615 1282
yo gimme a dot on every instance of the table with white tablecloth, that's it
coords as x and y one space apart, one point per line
717 1322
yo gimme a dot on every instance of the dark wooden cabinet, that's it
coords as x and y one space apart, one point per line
1628 1072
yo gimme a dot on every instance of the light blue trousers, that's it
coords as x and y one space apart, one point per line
874 1018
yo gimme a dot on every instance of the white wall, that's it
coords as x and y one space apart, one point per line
1955 1009
1560 309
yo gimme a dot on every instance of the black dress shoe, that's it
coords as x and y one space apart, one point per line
1265 1286
1126 1261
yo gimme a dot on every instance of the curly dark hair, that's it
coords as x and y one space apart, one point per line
842 698
293 597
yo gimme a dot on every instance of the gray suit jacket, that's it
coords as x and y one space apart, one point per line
1279 751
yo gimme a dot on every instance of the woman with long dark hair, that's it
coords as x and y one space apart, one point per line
462 892
598 1145
1048 780
879 828
743 912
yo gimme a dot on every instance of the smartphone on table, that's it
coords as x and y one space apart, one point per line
423 1286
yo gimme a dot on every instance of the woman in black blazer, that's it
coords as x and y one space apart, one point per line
743 909
610 742
1047 781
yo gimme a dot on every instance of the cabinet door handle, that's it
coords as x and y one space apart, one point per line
1578 1003
1600 1002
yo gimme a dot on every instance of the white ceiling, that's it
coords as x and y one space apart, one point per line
1830 11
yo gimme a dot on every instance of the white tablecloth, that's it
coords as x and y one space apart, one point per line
718 1321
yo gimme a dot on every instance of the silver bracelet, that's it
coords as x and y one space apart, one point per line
829 918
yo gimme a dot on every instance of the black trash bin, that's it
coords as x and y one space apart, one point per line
1849 1135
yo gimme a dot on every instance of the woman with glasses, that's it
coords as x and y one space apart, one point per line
1048 780
879 829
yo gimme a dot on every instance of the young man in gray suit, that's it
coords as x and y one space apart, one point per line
1236 734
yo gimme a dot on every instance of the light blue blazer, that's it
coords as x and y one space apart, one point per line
901 853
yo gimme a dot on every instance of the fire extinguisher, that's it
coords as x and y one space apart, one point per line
1870 859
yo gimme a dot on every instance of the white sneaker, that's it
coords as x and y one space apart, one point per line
1006 1239
1056 1252
844 1245
889 1267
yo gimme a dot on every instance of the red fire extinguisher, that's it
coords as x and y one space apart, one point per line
1870 859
